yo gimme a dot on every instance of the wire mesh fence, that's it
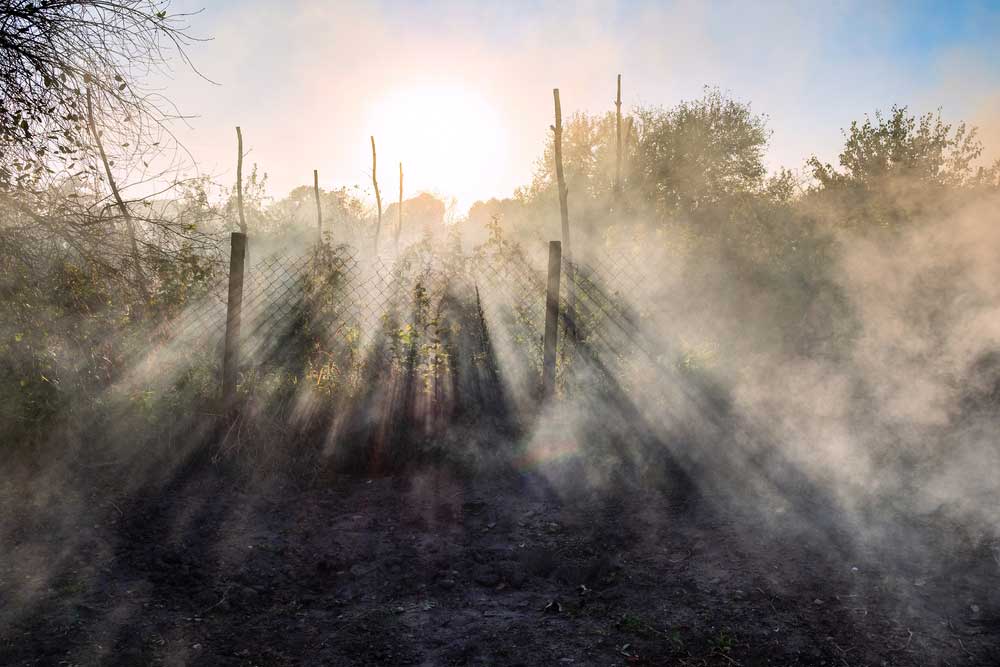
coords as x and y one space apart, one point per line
432 311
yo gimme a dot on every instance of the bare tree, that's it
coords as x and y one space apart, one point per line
53 53
76 122
122 208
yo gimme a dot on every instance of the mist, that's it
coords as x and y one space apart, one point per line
746 415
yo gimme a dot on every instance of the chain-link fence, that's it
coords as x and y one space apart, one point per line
447 320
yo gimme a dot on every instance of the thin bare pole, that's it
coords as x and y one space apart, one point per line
239 179
618 142
566 250
319 210
399 210
551 321
378 196
560 178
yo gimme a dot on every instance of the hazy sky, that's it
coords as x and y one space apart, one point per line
462 92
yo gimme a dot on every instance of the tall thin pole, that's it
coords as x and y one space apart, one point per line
618 142
399 210
566 249
239 179
378 196
319 210
560 178
551 320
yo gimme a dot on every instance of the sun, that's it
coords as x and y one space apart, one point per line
450 139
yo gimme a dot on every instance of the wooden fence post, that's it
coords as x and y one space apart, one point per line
399 210
560 178
378 195
618 145
239 179
319 209
234 310
564 217
551 320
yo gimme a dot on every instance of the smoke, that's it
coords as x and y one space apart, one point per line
874 435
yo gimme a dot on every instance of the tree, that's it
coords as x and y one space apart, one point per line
694 160
344 215
587 144
75 120
897 166
700 153
52 52
901 145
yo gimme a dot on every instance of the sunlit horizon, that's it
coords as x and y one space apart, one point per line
462 95
449 138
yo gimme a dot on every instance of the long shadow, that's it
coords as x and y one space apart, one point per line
699 450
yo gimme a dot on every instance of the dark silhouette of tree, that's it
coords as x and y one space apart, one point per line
52 52
79 128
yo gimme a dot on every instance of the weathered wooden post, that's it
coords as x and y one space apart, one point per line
560 178
399 209
239 179
234 311
618 144
551 320
378 196
319 210
564 216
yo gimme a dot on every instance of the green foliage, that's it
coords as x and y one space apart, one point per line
182 278
901 145
698 154
898 167
700 158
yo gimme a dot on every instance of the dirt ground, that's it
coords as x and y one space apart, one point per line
436 568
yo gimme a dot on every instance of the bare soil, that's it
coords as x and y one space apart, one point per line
436 567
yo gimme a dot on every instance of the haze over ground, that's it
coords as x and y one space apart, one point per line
696 414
